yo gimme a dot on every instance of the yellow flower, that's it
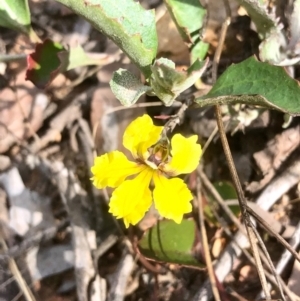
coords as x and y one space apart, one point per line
155 160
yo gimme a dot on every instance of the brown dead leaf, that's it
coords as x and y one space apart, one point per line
21 111
218 246
170 43
247 273
270 159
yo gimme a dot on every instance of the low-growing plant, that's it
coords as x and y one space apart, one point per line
259 82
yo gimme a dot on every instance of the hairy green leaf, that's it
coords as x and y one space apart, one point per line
171 242
167 83
126 87
126 23
255 83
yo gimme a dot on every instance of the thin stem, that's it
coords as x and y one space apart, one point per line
242 202
238 187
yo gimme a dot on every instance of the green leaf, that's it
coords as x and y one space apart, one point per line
16 15
167 83
126 23
171 242
199 50
126 87
189 17
255 83
227 192
273 49
50 58
77 57
43 65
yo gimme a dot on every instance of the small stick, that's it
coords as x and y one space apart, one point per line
249 257
17 274
208 261
275 234
232 169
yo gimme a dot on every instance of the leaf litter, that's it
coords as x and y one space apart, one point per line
56 225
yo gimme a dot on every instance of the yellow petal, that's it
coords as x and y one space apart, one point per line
112 169
132 198
186 153
140 135
172 198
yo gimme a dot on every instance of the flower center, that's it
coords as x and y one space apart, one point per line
159 153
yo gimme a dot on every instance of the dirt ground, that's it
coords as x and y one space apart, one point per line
59 243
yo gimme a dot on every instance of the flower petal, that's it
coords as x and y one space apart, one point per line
186 153
132 198
172 198
112 169
140 135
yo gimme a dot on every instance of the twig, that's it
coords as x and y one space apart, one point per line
7 282
105 245
224 205
17 297
37 239
218 52
12 57
220 200
88 148
141 105
242 202
267 255
280 185
64 118
235 294
120 278
83 238
275 234
17 274
205 245
175 119
209 140
286 256
140 257
224 265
